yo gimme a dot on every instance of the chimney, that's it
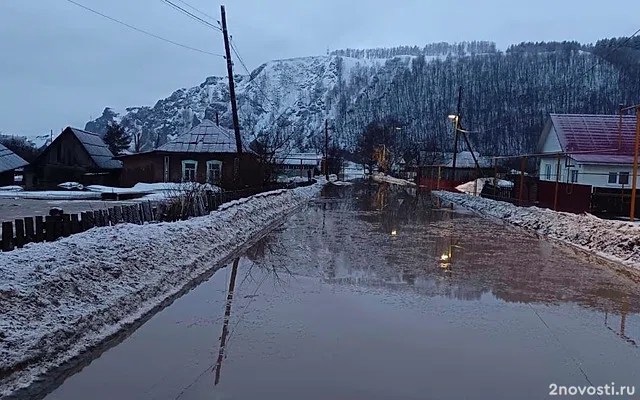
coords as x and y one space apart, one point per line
217 120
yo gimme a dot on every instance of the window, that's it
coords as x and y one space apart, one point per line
613 177
214 172
547 172
623 179
574 176
189 168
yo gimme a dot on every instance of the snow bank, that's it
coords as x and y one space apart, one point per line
12 188
52 195
149 188
71 186
615 240
480 182
380 177
58 299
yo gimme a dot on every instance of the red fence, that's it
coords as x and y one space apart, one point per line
571 197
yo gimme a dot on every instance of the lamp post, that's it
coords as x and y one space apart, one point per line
456 121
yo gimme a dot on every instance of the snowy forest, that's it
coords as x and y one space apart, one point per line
507 96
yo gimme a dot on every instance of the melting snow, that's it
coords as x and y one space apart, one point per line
614 240
58 299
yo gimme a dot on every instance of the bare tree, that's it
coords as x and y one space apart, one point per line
273 148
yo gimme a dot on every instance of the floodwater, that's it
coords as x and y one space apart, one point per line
373 292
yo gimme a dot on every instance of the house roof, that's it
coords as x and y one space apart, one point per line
589 138
299 158
10 160
97 149
464 159
204 138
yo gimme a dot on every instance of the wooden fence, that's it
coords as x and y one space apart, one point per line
17 233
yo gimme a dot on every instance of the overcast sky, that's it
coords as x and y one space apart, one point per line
61 65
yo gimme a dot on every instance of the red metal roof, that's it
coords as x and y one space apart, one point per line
596 138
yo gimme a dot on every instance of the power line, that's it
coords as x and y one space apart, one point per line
191 15
266 97
143 31
197 10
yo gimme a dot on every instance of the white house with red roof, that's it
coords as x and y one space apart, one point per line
592 150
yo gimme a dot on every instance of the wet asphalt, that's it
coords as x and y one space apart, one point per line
376 292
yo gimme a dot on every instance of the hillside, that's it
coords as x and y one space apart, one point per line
507 95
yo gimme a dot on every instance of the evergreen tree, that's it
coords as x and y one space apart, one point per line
116 138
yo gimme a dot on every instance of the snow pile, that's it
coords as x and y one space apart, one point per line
149 188
353 171
380 177
12 188
58 299
614 240
479 185
341 183
52 195
71 186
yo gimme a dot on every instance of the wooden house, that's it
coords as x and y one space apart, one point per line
9 163
589 158
74 156
205 154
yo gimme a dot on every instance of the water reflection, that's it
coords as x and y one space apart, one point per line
227 315
386 236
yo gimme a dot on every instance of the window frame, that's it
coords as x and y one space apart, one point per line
613 175
195 170
209 164
620 175
574 176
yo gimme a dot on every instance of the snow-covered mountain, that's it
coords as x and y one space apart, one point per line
507 95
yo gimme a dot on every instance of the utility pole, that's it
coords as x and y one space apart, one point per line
232 89
326 149
456 126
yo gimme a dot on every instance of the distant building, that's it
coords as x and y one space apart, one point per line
9 163
205 154
74 156
594 158
592 150
293 164
438 171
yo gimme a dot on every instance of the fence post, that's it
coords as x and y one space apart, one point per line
112 215
117 212
39 228
29 231
523 165
75 224
50 229
66 225
7 236
19 233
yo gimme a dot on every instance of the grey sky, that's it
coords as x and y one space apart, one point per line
61 65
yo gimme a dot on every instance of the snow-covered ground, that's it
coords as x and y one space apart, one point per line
51 195
353 171
475 187
150 191
58 299
380 177
615 240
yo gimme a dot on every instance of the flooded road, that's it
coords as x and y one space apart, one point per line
371 292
